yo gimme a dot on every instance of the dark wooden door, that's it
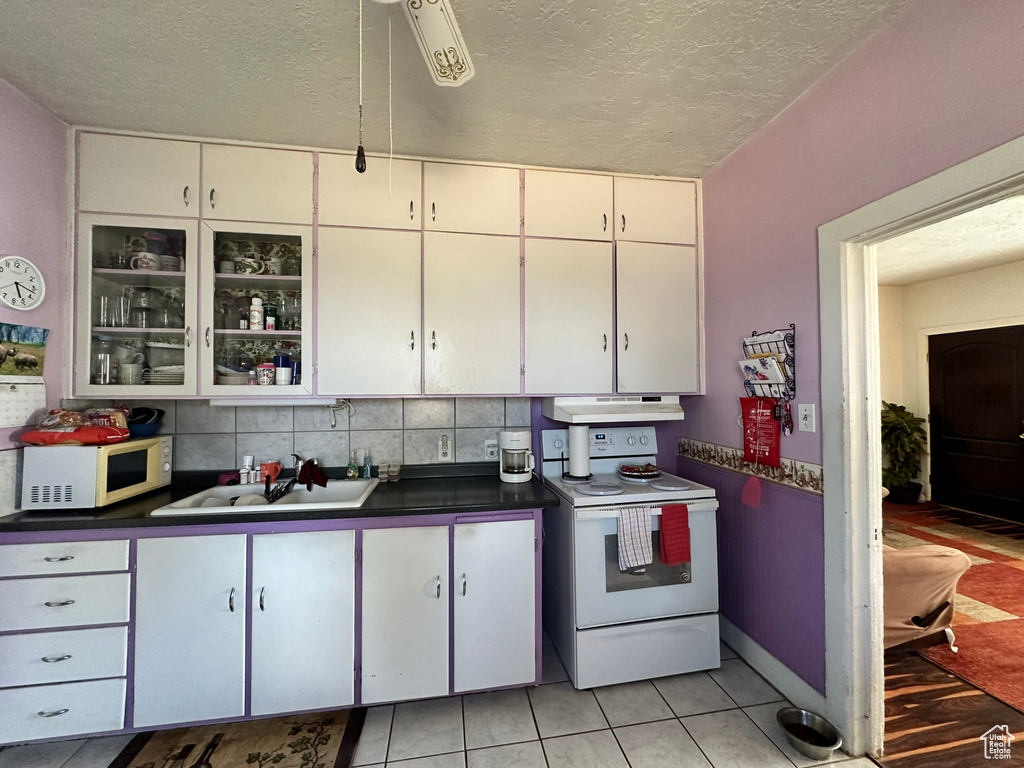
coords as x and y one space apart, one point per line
976 383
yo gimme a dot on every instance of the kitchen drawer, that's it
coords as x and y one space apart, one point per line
60 657
63 557
84 708
75 601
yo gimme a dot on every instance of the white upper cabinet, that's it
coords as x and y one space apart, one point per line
471 198
369 283
568 317
377 198
254 184
655 211
303 621
656 286
125 174
470 314
571 205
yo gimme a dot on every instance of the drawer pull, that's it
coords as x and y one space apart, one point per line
63 559
231 600
54 713
58 604
263 592
55 659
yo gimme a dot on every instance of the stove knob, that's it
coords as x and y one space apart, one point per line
644 440
630 440
558 443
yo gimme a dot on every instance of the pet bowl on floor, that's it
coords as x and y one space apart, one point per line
810 734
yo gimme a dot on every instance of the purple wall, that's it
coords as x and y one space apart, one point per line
33 221
771 568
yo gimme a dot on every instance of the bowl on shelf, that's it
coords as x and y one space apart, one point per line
143 430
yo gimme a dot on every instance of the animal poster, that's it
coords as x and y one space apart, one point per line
23 351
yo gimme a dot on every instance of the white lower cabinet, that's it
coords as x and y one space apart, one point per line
303 621
190 629
405 614
53 711
495 630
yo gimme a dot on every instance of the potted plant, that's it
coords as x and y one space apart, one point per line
903 440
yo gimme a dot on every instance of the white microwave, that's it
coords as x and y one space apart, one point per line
82 476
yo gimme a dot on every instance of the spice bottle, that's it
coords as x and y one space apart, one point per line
256 314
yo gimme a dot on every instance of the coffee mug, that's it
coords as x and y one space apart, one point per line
145 260
127 355
130 373
226 267
273 265
249 266
270 469
170 263
283 376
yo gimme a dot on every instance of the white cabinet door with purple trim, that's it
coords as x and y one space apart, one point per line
572 205
495 630
655 210
303 621
405 613
190 629
257 184
470 198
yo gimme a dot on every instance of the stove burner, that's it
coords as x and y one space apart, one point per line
600 489
575 479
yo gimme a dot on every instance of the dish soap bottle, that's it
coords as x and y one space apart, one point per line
367 463
352 471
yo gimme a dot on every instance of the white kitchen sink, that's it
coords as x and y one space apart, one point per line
339 494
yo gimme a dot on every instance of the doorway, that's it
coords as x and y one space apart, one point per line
976 395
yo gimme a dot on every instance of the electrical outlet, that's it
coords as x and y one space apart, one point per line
805 417
490 449
444 448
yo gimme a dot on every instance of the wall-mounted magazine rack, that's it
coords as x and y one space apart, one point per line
781 345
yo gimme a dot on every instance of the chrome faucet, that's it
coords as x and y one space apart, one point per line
300 462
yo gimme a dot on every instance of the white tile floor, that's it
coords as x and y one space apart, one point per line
719 719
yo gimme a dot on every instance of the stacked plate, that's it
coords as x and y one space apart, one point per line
227 375
164 375
639 474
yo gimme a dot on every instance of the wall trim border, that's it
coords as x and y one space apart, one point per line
801 475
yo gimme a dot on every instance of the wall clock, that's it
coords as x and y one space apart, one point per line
21 283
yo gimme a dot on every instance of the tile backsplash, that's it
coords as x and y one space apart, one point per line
216 437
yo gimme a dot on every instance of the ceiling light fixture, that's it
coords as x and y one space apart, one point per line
440 40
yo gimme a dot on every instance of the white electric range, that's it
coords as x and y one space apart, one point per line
613 627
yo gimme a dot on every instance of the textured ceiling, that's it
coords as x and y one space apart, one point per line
662 86
974 240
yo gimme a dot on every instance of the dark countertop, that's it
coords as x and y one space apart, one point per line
435 489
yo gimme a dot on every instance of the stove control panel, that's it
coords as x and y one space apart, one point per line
604 442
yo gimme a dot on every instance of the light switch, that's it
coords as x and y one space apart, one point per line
805 417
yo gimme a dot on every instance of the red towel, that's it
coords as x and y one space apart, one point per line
675 534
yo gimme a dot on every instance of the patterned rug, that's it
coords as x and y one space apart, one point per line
318 740
989 616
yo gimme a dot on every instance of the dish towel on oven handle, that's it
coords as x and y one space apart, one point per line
675 534
634 530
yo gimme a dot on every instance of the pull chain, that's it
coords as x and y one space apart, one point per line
391 130
360 153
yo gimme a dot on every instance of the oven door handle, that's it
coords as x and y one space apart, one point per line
610 513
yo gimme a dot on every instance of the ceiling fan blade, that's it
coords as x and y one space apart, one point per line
440 40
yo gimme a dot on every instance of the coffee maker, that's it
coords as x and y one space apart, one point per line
515 456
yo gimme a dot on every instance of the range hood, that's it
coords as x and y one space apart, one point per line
612 409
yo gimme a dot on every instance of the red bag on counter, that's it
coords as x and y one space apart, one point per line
75 435
760 431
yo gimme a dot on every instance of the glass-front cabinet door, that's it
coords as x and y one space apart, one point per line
135 306
256 285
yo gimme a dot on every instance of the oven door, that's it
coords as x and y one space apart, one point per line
605 595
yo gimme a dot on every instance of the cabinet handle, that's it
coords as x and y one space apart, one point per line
262 592
61 559
604 220
55 659
438 594
627 341
184 195
231 600
188 335
623 222
604 342
463 585
410 210
412 339
213 199
433 340
54 713
58 604
207 337
433 212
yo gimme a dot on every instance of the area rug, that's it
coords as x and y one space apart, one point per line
319 740
989 605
